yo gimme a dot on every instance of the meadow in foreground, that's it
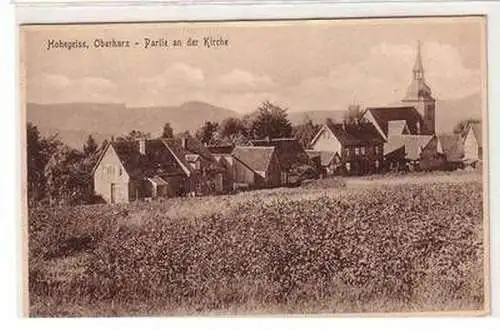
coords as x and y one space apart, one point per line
316 249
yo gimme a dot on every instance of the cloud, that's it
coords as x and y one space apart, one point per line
384 75
244 81
54 88
179 77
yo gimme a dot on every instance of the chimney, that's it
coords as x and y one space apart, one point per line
142 146
184 142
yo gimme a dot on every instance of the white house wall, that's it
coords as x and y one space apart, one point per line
326 141
471 147
110 171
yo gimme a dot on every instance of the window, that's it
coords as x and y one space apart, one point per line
120 171
377 164
363 150
356 150
348 166
347 151
109 169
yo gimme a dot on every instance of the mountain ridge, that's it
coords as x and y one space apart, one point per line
103 120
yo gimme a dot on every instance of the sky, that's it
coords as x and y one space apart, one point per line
300 65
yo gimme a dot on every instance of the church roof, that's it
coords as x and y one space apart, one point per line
383 116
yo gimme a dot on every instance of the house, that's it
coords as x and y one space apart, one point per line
359 147
411 152
256 167
225 161
451 147
207 174
473 146
290 153
328 162
132 170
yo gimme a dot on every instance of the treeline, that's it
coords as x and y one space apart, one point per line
59 174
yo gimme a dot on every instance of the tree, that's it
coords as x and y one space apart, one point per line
168 131
90 147
68 176
134 135
305 132
461 126
232 130
271 121
354 114
206 133
38 153
232 126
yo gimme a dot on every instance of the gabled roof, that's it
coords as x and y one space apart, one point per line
288 150
384 115
221 149
397 127
451 145
413 144
158 160
354 134
192 146
256 158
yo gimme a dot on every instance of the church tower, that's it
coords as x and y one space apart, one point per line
419 95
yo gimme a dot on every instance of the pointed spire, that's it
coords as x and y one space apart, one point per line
418 67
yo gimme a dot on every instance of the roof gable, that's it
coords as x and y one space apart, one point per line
413 144
451 146
257 158
288 150
384 115
356 134
156 161
476 129
397 127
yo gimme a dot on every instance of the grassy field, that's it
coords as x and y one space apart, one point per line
376 244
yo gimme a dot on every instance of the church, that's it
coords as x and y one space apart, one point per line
409 128
416 112
397 137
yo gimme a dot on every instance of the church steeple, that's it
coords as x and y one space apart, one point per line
418 67
419 95
418 87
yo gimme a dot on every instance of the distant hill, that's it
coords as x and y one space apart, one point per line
75 121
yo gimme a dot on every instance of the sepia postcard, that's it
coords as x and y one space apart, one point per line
289 167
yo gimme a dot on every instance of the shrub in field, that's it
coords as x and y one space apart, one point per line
398 244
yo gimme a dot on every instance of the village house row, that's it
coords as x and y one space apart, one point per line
389 138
